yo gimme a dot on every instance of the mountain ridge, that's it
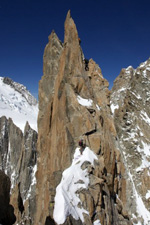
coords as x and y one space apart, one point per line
132 121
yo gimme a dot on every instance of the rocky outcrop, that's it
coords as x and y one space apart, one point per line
7 216
18 161
75 103
130 105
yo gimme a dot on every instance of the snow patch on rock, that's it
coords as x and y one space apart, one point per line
113 108
84 101
33 183
67 201
97 222
147 194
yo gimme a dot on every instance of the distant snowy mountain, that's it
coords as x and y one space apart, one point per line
17 103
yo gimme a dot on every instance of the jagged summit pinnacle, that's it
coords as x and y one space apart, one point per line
68 14
53 36
71 33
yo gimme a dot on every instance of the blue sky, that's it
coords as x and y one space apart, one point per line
115 34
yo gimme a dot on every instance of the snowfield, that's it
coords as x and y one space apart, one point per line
14 105
67 201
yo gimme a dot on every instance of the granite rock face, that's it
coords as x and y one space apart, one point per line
18 161
74 103
130 103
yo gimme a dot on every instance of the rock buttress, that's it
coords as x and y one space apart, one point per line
63 120
18 161
130 104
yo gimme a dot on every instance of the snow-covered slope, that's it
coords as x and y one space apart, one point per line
17 103
74 179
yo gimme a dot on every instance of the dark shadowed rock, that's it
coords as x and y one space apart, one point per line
7 216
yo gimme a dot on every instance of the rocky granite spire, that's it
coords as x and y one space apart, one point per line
74 104
72 49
